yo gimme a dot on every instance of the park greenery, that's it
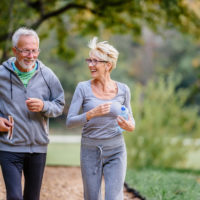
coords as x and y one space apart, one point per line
91 17
165 184
159 45
164 122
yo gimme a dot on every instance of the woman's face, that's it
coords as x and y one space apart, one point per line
97 67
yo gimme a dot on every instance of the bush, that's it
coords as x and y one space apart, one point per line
162 123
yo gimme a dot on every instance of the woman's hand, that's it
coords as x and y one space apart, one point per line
100 110
127 125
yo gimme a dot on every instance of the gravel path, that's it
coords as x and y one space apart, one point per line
61 183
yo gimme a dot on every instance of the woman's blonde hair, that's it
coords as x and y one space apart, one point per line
104 51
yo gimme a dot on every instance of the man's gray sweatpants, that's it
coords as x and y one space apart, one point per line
103 157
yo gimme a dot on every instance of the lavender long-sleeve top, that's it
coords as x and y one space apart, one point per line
100 127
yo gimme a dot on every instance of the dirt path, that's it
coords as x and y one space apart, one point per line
61 183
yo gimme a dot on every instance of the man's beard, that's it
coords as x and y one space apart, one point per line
26 66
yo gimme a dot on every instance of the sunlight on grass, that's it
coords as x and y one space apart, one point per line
192 161
63 154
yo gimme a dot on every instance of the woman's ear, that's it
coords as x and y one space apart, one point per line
109 67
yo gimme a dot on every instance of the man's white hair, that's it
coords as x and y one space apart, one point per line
103 51
23 31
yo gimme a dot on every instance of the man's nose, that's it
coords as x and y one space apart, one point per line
30 54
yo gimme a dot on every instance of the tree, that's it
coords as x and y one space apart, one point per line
91 16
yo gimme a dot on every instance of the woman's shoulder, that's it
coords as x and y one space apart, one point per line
83 84
122 86
83 87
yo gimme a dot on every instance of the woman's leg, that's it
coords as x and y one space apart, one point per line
114 172
91 168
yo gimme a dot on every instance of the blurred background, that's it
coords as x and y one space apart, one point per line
159 45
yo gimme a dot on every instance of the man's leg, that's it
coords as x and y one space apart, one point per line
11 166
34 165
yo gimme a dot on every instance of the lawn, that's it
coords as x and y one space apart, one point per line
157 184
63 154
154 184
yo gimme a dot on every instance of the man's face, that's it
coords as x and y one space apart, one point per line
26 52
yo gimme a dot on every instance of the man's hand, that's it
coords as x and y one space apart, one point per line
5 125
34 104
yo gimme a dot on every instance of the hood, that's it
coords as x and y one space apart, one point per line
7 64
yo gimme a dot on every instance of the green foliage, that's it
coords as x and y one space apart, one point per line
164 185
162 123
68 20
94 17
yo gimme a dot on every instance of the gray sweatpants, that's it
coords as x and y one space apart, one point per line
103 157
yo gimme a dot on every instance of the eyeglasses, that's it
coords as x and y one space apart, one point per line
94 61
26 52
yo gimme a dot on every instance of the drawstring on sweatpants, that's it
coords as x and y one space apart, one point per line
100 148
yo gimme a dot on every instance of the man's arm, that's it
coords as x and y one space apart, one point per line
52 107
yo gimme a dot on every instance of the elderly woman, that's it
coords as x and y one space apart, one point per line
103 151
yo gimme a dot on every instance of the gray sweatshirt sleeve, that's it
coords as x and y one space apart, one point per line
54 107
74 118
127 103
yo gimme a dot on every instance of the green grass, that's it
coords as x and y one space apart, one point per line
63 154
192 160
154 184
157 184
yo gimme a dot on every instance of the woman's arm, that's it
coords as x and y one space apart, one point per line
74 118
128 125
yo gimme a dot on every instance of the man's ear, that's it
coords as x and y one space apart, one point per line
14 50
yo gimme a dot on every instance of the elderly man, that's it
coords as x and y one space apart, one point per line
30 93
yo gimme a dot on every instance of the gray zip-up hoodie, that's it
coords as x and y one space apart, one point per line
31 129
